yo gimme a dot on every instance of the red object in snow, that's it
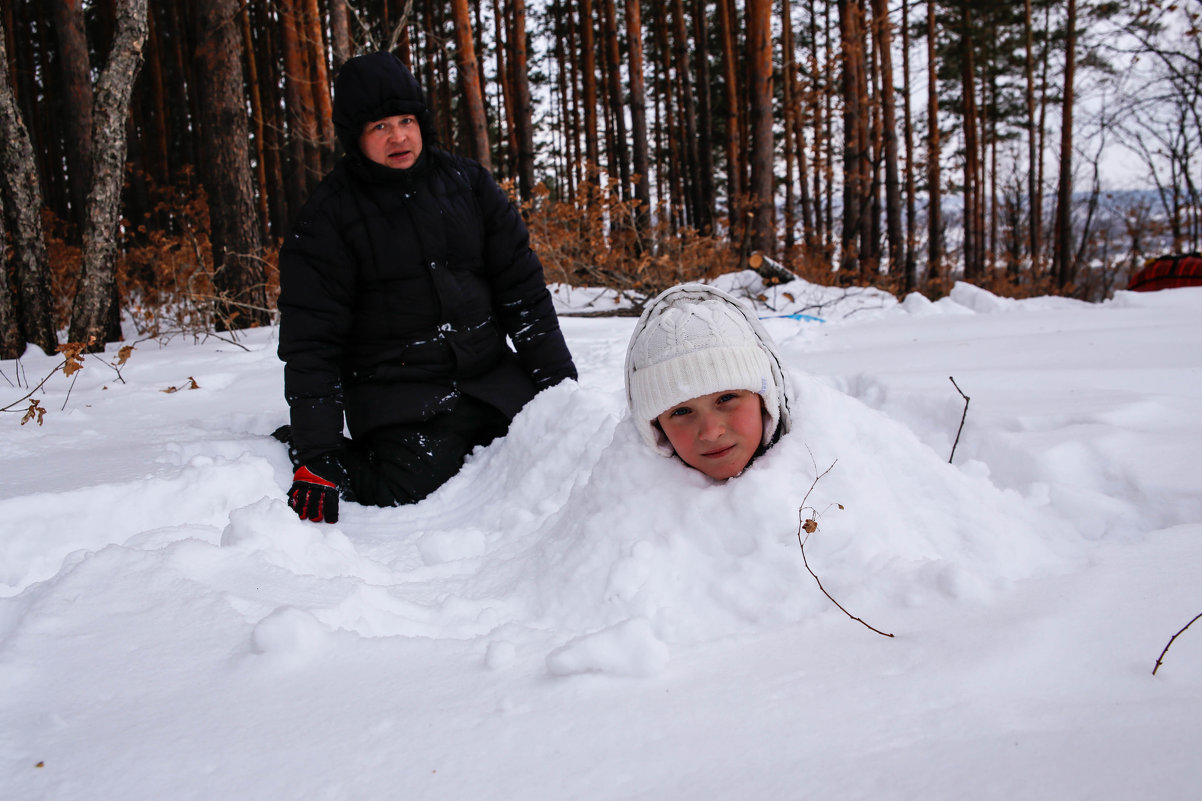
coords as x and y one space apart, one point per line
1168 272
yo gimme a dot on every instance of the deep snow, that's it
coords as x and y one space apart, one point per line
574 616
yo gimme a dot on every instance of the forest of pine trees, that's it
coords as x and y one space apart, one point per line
154 154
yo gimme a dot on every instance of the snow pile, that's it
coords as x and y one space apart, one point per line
168 628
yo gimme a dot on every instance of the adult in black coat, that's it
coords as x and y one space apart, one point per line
399 283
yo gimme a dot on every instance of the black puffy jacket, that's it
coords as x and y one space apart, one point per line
397 292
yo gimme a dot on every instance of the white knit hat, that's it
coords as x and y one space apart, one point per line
694 340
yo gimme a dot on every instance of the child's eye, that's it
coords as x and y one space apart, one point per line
728 396
680 411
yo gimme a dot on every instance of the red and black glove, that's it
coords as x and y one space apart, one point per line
316 488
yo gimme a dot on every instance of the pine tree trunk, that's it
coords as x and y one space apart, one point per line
323 110
893 216
856 177
505 79
911 263
27 317
253 85
705 119
759 48
340 33
687 104
156 130
613 74
93 310
238 275
972 242
76 102
1064 266
301 174
934 187
1033 210
734 154
469 76
790 112
279 198
524 110
589 88
638 113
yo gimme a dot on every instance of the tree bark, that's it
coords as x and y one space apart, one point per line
687 105
1064 265
238 275
973 246
589 88
620 162
95 298
638 113
934 187
320 84
911 264
734 153
524 116
470 80
759 46
340 33
75 102
11 344
29 318
856 167
705 118
893 218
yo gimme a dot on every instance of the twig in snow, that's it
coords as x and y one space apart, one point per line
1160 658
962 417
810 525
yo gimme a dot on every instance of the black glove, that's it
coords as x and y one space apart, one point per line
316 488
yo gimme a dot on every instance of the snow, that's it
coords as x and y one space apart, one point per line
573 616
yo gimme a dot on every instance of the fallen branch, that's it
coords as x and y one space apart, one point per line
962 417
1160 659
810 525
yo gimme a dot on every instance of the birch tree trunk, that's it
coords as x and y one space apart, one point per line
29 319
93 309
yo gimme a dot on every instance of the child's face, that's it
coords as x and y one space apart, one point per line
717 433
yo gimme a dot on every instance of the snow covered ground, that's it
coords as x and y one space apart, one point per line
574 617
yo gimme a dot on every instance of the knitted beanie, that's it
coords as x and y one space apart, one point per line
694 340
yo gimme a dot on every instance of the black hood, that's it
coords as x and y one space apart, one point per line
371 87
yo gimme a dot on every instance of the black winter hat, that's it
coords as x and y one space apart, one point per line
371 87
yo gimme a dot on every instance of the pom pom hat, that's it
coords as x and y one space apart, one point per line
694 340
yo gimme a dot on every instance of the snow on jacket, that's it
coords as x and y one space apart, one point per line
397 291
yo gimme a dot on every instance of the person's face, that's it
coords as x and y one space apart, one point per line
393 141
717 433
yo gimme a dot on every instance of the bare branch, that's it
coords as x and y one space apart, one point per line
810 525
962 418
1160 659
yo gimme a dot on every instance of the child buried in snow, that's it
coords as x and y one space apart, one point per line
704 381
